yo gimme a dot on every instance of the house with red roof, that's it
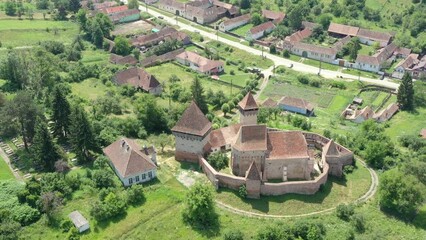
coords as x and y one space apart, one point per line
140 79
200 63
260 31
275 17
235 22
296 105
131 163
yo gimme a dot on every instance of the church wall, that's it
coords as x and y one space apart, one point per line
297 168
241 161
189 146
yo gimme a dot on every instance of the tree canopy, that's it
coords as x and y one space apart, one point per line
405 94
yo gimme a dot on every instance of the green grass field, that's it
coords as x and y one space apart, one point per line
95 56
89 89
336 191
15 33
242 31
5 173
237 55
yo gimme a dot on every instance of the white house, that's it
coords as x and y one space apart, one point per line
79 221
234 22
260 31
131 163
200 63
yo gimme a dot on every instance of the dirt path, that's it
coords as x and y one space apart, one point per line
370 193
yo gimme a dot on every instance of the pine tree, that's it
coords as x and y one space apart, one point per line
198 95
61 113
45 153
81 133
74 5
405 95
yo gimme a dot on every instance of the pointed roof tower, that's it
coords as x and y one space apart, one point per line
253 173
331 149
193 122
248 103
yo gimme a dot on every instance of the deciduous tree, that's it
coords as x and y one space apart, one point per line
199 206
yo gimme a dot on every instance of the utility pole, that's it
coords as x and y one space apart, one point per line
262 50
146 6
231 87
176 19
217 35
319 72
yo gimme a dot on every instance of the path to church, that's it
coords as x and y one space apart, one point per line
370 193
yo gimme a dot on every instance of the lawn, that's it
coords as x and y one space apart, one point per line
242 31
324 65
357 72
373 99
89 89
366 50
336 191
14 33
95 56
5 173
237 55
186 77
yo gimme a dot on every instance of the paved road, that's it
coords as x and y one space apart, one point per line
300 67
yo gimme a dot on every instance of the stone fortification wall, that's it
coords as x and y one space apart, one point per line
300 187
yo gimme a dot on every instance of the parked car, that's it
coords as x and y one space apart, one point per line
160 17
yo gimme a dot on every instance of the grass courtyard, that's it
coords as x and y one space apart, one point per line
242 31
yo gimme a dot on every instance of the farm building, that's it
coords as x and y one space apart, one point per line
140 79
200 63
296 105
234 22
79 221
260 31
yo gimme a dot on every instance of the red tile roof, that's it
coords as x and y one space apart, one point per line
331 149
116 17
137 77
262 27
116 9
386 113
296 102
117 59
253 172
285 145
242 18
299 35
423 133
343 29
314 48
248 102
203 63
275 16
374 35
251 138
127 158
269 103
193 122
224 136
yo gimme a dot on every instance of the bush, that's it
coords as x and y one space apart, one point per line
73 234
358 222
199 206
111 206
66 225
286 53
201 39
348 169
242 191
344 211
218 160
103 179
303 79
316 84
135 194
232 72
233 234
25 214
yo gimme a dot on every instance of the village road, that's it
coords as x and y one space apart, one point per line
278 61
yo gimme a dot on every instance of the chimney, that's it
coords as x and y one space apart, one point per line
127 147
123 143
145 150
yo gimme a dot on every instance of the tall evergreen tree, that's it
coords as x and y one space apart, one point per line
44 150
61 113
81 134
74 5
405 95
198 95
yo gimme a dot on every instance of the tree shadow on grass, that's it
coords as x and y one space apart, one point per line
209 230
190 166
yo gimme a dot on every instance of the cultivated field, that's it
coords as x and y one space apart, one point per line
18 33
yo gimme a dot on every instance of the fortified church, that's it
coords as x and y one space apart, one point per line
257 151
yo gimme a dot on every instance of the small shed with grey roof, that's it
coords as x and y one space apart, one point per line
79 221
